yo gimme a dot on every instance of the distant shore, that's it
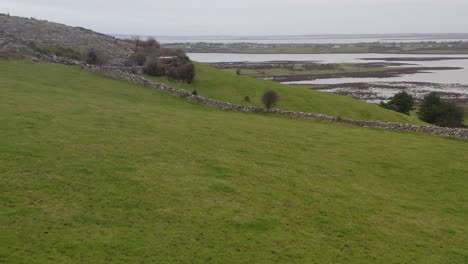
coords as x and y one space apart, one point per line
291 71
456 47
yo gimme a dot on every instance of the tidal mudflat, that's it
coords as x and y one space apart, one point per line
369 77
377 92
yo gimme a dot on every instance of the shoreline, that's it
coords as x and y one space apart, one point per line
391 59
389 73
318 70
465 52
380 91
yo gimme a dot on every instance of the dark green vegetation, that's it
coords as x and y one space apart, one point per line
401 102
56 50
270 98
465 107
178 69
225 86
436 111
97 170
253 48
91 57
161 62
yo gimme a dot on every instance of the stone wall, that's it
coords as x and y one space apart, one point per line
133 74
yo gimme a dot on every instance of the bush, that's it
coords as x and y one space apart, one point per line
174 53
91 57
238 72
136 59
60 51
66 52
154 68
247 99
451 115
435 111
150 43
95 57
181 69
35 47
270 98
428 110
184 73
401 102
10 53
149 47
194 92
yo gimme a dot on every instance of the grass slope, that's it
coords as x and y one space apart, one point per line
95 170
226 86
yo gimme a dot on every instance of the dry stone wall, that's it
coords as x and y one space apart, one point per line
133 74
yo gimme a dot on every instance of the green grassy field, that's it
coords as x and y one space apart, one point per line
225 86
96 170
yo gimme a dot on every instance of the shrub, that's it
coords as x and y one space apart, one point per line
95 57
137 41
270 98
194 92
428 110
152 43
435 111
181 69
66 52
136 59
247 99
401 102
149 47
60 51
154 68
238 72
10 53
174 52
91 57
177 68
451 115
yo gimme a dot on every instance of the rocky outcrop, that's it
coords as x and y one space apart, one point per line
133 74
19 30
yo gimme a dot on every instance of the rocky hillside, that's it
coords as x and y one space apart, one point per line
17 32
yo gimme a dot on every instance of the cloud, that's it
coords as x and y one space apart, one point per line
250 17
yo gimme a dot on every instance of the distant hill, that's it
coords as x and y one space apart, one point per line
17 32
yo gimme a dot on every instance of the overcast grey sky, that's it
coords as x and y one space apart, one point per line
250 17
